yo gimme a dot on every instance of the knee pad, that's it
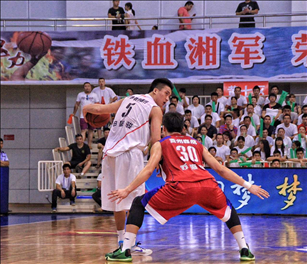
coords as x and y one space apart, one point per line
234 219
136 213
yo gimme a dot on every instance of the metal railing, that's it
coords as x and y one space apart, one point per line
48 171
106 23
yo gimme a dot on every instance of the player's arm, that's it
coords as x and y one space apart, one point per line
231 176
155 157
99 109
155 124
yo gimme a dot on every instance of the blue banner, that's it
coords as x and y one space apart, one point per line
287 189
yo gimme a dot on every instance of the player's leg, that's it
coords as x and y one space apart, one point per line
120 220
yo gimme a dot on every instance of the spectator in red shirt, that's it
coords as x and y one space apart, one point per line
184 12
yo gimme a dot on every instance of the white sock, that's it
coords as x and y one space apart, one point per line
239 236
129 241
120 235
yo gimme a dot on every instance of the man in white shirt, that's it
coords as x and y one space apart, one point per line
249 140
259 99
85 98
193 120
185 101
105 96
179 107
219 107
251 114
222 150
242 148
286 110
196 108
300 118
241 100
265 135
290 129
215 117
250 128
220 98
274 90
65 187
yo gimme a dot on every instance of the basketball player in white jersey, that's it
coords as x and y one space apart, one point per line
137 122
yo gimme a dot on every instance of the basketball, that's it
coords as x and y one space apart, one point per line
34 43
98 120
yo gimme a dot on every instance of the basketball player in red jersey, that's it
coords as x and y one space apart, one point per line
186 183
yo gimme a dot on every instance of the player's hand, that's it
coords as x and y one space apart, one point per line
118 195
258 191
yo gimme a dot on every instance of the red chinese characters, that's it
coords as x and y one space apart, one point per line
117 52
159 53
203 51
299 48
246 49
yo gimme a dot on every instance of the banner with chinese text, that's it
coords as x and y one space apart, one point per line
245 54
287 189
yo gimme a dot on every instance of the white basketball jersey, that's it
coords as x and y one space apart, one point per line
131 128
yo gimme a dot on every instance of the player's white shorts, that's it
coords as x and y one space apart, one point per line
117 173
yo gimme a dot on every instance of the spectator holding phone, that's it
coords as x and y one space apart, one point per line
185 23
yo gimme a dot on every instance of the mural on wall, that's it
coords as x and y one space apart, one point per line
253 53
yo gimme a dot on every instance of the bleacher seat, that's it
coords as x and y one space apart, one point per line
70 135
66 155
76 125
56 155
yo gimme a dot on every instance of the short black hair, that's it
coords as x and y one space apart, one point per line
238 87
219 134
182 90
187 111
227 115
256 87
196 97
256 152
286 116
159 83
286 107
272 94
66 165
78 135
87 83
106 129
297 143
233 97
276 151
210 116
234 149
175 97
300 149
241 138
171 104
189 3
274 86
247 117
304 115
208 105
212 148
1 140
276 159
101 78
214 94
243 126
173 122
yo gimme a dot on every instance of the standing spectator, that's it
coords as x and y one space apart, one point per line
97 195
228 126
220 98
105 96
259 99
119 13
4 161
241 100
290 129
196 108
85 98
185 101
100 145
81 155
247 8
184 12
272 109
130 13
65 187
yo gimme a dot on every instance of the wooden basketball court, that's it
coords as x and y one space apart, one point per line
184 239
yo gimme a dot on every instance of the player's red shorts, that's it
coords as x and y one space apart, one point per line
174 198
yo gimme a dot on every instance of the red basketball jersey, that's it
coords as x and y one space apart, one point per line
182 159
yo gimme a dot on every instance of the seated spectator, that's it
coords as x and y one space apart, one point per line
189 128
219 107
233 105
287 141
203 134
185 101
290 129
286 110
257 157
228 126
300 161
185 131
234 159
265 136
275 90
267 125
222 150
300 118
212 131
277 155
272 109
249 140
4 161
196 108
227 140
292 101
236 117
65 187
254 117
264 149
250 128
220 98
100 145
241 100
212 151
243 150
215 117
193 120
279 145
302 132
172 107
257 108
304 122
292 150
97 195
81 155
179 108
256 94
275 163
